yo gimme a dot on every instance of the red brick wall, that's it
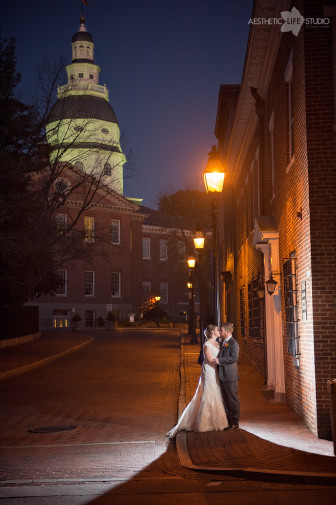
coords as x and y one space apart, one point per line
321 149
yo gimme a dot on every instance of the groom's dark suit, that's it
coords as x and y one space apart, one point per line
229 377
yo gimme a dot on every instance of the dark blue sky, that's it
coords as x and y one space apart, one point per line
162 61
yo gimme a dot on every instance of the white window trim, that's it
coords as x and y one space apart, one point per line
149 249
163 249
65 282
119 293
148 288
164 300
93 283
92 238
118 223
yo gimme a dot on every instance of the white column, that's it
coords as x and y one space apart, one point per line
274 342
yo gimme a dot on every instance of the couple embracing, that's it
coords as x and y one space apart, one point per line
215 405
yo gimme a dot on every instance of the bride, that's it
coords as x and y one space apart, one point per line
206 410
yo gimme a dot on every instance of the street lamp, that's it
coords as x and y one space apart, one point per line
214 180
199 245
191 265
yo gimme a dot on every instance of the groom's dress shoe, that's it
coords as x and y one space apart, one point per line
232 427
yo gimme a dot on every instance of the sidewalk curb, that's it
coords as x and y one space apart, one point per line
261 473
36 364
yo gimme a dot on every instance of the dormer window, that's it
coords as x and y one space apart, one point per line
81 75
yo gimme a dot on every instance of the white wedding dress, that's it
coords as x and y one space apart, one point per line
206 410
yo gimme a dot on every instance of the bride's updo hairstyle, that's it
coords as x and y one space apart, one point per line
208 331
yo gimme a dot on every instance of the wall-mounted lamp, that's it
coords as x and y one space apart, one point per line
271 284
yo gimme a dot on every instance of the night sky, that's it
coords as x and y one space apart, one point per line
162 61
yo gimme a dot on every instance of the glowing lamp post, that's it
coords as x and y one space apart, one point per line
199 245
191 266
214 180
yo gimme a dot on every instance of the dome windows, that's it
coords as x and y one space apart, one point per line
105 131
78 128
79 164
107 169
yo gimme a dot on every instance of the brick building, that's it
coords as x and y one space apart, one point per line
276 134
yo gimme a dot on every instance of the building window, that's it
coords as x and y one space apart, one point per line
146 287
89 318
79 164
291 308
107 169
115 284
61 222
163 250
254 308
289 86
80 75
271 154
242 311
164 292
62 288
115 231
146 248
181 250
91 76
89 284
89 228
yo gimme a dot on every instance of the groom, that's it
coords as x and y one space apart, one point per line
228 374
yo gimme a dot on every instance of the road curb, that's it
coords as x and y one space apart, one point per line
37 364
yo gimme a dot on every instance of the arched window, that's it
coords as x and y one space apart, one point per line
88 51
81 50
79 164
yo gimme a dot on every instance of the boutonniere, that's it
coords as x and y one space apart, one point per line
226 344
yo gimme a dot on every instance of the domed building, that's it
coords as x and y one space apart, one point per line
82 128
